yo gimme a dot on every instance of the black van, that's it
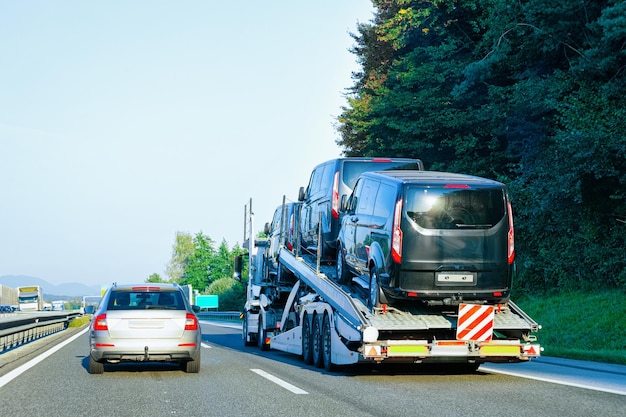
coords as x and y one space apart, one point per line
437 237
328 182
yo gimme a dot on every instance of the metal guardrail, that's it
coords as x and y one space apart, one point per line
220 315
19 328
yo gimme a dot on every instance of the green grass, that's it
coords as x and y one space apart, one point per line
79 321
577 325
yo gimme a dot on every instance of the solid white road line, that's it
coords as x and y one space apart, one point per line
279 381
10 376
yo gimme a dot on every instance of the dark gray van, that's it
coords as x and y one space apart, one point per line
437 237
328 182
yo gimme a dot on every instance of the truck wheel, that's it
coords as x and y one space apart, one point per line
307 349
318 358
343 276
95 367
262 335
247 338
327 344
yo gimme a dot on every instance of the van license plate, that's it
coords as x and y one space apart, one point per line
455 278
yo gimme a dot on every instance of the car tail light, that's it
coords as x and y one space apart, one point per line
511 236
100 322
191 322
335 202
396 234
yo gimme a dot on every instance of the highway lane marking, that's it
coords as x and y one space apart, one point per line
204 345
10 376
589 386
279 381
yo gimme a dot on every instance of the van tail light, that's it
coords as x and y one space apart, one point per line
511 236
396 234
100 322
191 322
334 209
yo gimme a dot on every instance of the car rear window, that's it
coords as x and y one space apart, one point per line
455 208
138 300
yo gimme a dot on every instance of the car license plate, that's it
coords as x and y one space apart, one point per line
455 278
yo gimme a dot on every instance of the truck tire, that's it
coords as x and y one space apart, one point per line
95 367
327 344
262 336
307 349
248 340
316 336
343 275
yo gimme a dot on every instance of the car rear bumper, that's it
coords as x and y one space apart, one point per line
143 351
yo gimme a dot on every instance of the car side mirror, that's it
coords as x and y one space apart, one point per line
195 308
90 309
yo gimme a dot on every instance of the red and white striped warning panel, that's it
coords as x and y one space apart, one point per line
475 322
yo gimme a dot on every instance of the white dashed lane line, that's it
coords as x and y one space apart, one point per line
279 381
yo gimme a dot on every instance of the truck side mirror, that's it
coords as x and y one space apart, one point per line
301 194
266 229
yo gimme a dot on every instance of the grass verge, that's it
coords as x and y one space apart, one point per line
578 325
79 321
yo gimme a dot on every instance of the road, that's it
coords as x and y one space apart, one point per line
243 381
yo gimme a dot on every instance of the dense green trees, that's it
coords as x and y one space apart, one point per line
529 93
195 261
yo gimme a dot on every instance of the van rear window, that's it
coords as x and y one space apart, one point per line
353 169
455 208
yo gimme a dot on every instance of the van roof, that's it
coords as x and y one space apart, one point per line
432 177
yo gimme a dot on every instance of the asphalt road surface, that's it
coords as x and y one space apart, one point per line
243 381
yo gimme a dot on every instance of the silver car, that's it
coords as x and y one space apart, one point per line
144 323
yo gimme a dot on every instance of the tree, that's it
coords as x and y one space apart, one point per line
232 294
529 93
182 251
156 278
198 265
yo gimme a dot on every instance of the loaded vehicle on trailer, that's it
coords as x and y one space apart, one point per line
330 180
309 309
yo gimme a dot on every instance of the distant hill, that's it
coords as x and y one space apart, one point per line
60 291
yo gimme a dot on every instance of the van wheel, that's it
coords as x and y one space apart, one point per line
307 350
377 297
343 276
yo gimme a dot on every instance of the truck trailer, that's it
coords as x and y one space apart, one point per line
301 308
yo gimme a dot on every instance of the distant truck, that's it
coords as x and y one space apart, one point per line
30 298
58 305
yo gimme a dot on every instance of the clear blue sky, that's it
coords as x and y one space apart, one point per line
123 122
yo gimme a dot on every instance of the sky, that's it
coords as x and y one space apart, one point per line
125 122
